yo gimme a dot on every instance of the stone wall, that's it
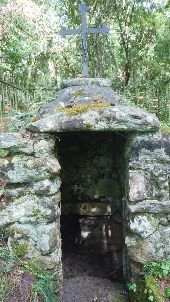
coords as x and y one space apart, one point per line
30 196
148 200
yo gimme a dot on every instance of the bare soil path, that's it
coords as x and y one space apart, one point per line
87 282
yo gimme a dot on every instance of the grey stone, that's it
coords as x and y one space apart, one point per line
154 248
43 237
164 221
79 95
31 208
46 187
86 81
47 238
20 119
150 206
143 225
152 146
120 118
24 169
44 146
137 185
15 143
26 143
149 156
52 261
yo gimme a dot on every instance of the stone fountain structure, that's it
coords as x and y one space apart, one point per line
139 198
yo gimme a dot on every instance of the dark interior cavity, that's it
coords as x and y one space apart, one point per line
93 185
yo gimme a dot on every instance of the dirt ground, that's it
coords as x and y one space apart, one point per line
92 289
85 281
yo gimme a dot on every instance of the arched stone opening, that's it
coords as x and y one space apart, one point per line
93 176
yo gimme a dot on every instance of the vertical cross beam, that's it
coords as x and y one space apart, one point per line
83 10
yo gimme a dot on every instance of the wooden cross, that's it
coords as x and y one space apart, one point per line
84 30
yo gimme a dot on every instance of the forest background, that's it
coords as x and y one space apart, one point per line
34 58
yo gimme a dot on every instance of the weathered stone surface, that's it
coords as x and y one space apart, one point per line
45 187
29 195
26 143
20 119
52 261
79 95
148 236
120 118
86 81
143 225
137 185
24 169
156 145
31 208
149 166
15 143
154 248
44 146
43 237
150 206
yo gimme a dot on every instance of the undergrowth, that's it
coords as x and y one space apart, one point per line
20 277
154 285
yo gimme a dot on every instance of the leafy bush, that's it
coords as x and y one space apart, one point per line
154 286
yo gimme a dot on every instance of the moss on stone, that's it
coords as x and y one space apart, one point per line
3 152
82 108
88 126
165 129
37 214
78 92
1 207
20 249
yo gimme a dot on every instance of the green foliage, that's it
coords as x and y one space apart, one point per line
152 289
135 54
44 287
132 287
167 292
147 288
4 288
158 269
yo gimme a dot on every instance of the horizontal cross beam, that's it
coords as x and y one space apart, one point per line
66 31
